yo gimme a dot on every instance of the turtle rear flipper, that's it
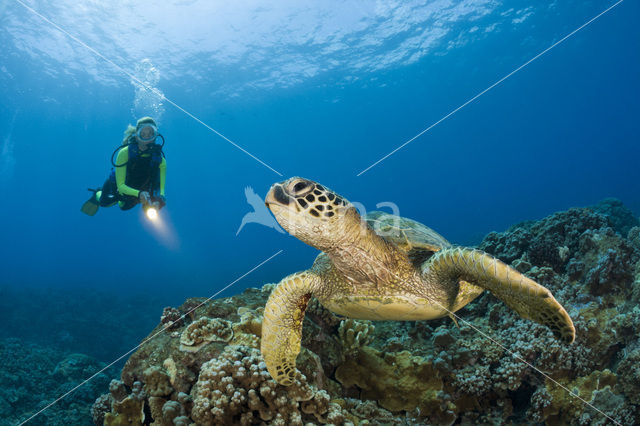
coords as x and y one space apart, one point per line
282 325
522 294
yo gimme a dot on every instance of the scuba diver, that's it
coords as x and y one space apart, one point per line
138 173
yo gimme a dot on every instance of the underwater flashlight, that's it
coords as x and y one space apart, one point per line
152 213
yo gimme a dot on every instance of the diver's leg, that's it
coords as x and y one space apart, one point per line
108 196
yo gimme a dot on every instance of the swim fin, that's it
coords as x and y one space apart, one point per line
90 207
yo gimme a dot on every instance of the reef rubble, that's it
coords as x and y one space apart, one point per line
206 368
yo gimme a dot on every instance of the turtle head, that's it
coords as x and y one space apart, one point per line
311 212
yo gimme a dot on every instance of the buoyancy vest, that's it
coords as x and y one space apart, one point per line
143 168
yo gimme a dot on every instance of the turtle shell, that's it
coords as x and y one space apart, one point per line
418 240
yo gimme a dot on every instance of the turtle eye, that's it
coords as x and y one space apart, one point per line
299 187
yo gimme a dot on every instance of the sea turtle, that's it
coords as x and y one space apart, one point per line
382 268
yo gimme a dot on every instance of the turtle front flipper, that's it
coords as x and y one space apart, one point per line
282 325
522 294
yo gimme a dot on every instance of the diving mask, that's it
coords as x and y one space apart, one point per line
147 133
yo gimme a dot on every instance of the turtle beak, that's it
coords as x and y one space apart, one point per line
277 196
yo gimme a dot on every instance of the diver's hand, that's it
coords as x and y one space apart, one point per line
144 197
160 201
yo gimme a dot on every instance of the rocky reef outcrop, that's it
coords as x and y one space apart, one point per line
203 366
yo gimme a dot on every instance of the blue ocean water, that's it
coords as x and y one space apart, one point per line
315 90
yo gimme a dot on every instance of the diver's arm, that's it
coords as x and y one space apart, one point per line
163 175
121 174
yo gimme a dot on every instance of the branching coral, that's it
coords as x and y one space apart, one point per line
355 334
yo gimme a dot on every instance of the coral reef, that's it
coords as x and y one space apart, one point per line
398 381
492 368
620 217
236 388
171 318
205 330
33 376
44 325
